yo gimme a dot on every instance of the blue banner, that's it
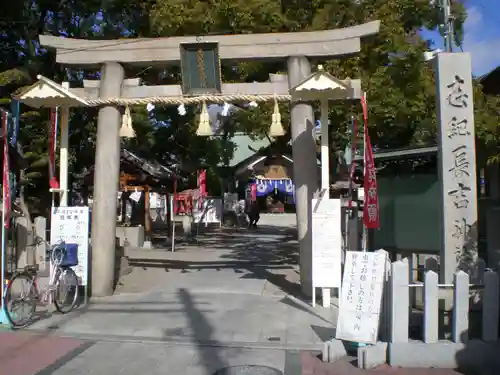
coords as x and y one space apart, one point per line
274 186
14 125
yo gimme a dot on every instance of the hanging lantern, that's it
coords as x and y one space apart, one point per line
204 129
126 130
276 130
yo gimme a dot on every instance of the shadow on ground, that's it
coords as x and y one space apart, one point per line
261 253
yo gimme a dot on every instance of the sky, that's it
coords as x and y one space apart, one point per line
482 35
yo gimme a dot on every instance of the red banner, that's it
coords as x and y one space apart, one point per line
53 183
202 187
371 211
202 182
253 192
6 170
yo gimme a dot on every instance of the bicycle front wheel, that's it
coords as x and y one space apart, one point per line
67 290
20 300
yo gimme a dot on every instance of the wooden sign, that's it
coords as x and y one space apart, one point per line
361 296
200 67
326 243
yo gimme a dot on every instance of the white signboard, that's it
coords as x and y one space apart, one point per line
210 212
361 296
231 203
71 225
156 201
326 243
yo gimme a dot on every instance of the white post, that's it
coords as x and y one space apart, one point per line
63 154
325 175
399 294
172 218
460 323
325 160
431 307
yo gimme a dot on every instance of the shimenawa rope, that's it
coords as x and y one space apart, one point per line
189 100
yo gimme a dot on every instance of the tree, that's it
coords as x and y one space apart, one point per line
22 59
399 84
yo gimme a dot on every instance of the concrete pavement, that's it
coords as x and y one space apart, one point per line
231 300
235 288
28 354
139 358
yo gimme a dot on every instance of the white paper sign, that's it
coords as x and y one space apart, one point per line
135 196
210 212
326 243
71 225
361 296
231 203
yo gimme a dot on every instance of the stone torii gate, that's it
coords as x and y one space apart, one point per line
113 90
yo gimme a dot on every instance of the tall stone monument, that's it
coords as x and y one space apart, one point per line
457 163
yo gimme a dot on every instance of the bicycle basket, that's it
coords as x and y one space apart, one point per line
70 258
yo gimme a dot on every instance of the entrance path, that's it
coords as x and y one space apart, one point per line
231 300
234 288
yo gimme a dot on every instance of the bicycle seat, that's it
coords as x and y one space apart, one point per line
32 269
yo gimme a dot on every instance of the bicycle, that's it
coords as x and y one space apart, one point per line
32 296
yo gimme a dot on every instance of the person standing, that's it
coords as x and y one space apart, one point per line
252 207
253 213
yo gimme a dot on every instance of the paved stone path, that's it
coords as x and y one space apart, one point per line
28 354
233 289
311 365
233 299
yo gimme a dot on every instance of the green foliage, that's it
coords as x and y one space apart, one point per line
399 84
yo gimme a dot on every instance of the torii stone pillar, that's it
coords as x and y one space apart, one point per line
106 177
304 167
147 51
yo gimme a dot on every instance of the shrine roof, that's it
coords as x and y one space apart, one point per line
150 167
406 153
246 147
146 171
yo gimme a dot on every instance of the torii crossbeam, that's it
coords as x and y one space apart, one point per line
111 55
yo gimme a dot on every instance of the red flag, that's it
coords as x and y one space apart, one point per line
202 182
371 210
6 171
253 192
53 183
202 187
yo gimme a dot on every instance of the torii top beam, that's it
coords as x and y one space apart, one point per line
148 51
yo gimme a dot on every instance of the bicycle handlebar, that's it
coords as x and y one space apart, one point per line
56 253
